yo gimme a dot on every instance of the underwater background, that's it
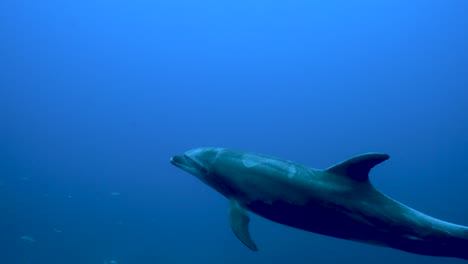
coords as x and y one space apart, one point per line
96 96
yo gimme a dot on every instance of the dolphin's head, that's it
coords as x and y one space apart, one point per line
197 161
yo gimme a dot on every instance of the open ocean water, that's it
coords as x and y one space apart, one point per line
97 96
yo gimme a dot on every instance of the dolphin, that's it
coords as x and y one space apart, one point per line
339 201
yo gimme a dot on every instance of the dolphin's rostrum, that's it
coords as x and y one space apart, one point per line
339 201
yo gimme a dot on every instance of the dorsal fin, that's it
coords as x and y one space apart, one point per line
358 167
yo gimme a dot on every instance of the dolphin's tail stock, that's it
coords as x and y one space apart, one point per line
463 247
458 244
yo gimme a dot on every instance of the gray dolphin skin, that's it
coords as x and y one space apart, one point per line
338 201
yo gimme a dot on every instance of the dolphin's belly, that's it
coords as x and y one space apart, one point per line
330 220
341 222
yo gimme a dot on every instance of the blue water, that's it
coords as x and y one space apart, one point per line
96 96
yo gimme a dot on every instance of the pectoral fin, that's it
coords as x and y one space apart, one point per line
239 221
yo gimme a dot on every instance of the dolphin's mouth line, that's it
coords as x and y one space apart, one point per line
185 162
180 161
